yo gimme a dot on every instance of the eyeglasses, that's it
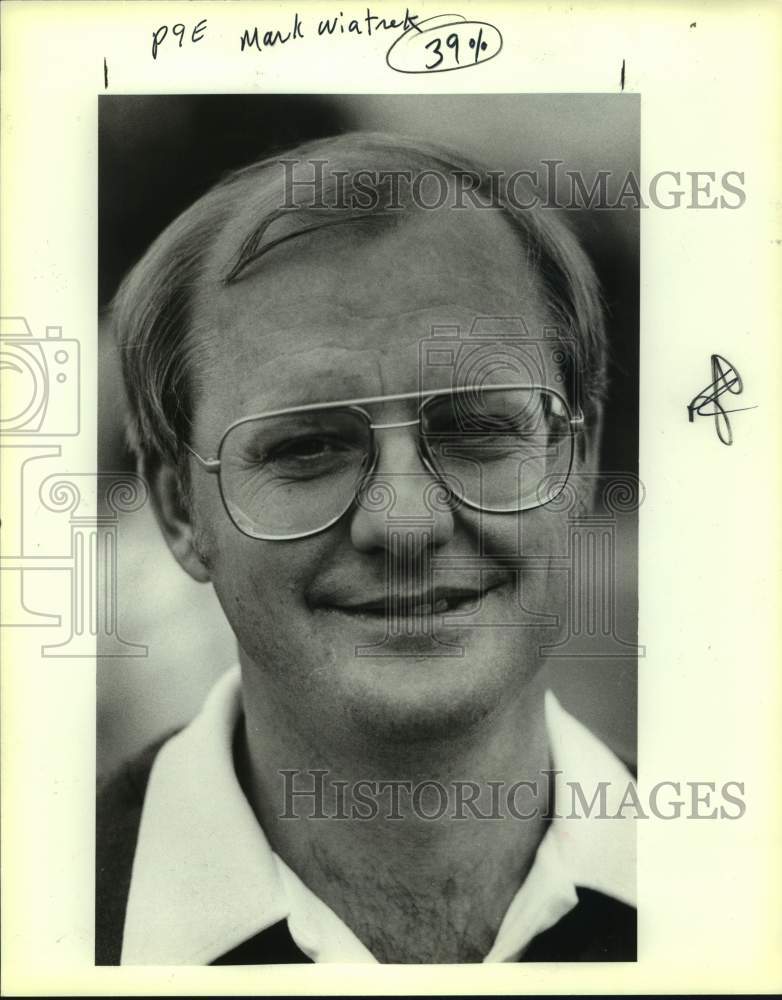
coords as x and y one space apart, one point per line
291 473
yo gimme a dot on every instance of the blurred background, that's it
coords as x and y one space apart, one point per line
157 154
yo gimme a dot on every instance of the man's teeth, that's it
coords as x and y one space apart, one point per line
439 608
402 607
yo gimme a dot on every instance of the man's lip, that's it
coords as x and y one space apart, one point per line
438 601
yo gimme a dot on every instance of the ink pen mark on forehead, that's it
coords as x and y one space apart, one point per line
281 228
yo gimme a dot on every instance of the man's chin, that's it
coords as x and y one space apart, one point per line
422 694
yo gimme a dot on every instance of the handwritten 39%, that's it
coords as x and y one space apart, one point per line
476 47
442 43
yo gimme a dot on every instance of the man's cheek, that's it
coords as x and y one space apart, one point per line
260 588
533 535
264 627
214 535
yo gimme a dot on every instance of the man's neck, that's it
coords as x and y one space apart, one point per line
419 848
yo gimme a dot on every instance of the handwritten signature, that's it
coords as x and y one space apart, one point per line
725 379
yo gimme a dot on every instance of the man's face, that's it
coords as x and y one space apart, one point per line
341 314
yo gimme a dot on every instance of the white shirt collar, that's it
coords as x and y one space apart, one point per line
205 878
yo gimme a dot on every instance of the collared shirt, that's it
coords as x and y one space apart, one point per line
205 878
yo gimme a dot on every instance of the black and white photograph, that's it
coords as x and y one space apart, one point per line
390 499
383 396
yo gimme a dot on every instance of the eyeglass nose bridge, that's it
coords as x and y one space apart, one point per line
398 423
441 496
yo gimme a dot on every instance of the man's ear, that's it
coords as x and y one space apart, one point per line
588 451
173 517
588 442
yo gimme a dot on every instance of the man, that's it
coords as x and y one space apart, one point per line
373 484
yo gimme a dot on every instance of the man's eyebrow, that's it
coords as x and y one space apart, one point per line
310 391
254 247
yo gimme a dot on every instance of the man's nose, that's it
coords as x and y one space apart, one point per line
402 503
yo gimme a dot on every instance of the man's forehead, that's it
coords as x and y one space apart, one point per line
349 310
356 264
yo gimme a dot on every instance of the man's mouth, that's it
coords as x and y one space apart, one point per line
440 601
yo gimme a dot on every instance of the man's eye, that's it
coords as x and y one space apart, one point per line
495 425
501 424
307 449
